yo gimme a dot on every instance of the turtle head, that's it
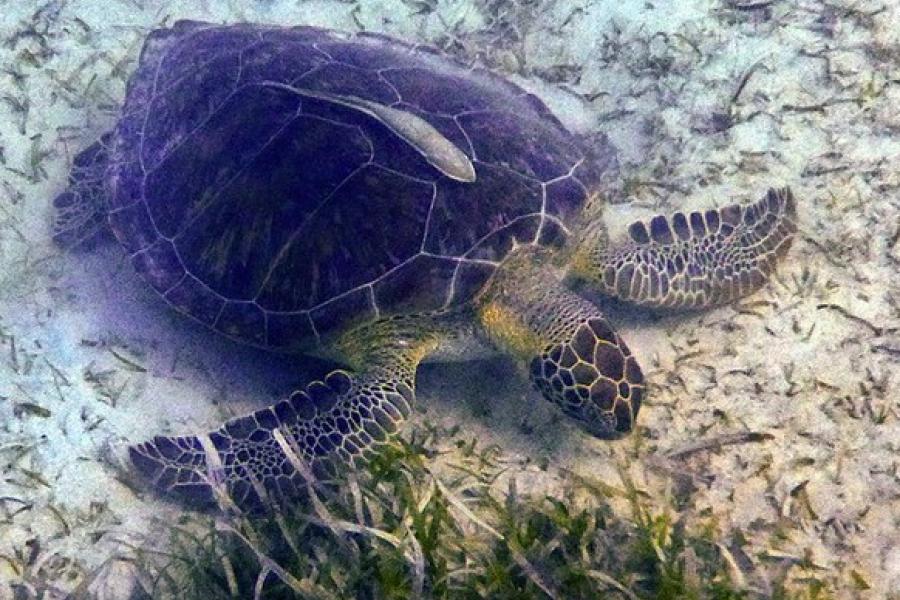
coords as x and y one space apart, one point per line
575 358
593 378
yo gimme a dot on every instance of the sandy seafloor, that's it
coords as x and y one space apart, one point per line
707 101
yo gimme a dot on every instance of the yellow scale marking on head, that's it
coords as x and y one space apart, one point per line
509 331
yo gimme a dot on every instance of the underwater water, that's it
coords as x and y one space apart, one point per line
763 462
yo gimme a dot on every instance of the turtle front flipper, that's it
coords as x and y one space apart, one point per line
694 261
81 211
266 457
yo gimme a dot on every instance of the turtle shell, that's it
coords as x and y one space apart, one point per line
281 220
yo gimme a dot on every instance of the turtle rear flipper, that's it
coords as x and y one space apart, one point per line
268 457
697 260
80 211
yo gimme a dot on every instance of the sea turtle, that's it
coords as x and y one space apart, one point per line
360 198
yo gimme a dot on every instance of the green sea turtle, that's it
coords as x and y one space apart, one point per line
375 202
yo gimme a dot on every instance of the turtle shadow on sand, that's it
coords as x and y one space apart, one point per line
482 400
123 312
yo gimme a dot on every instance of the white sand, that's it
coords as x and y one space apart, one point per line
811 360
